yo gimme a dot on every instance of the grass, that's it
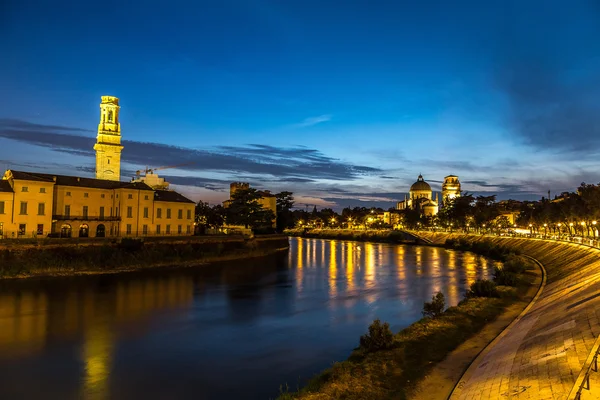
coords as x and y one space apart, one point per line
127 254
393 373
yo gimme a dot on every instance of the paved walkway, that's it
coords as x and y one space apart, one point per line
543 353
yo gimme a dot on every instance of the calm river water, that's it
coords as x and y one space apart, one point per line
228 331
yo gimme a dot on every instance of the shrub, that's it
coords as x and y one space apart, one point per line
131 244
482 288
435 307
515 264
504 277
380 337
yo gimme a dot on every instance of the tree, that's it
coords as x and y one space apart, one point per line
208 217
245 209
285 203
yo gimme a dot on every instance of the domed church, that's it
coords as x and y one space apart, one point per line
420 195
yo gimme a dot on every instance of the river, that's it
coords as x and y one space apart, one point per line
234 330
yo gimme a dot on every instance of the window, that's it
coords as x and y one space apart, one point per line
168 213
40 229
130 196
168 230
129 229
85 211
101 212
22 229
69 194
23 208
67 211
159 213
86 195
145 212
24 189
102 196
179 214
129 212
1 207
145 229
108 161
179 230
42 209
116 211
42 190
117 196
1 228
187 230
189 214
146 197
158 229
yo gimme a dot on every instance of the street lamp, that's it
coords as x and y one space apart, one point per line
545 231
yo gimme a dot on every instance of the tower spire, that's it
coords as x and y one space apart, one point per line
108 145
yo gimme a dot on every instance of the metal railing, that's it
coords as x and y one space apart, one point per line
85 218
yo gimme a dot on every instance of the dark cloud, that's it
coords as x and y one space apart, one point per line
549 74
287 164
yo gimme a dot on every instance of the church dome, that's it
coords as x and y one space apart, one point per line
420 185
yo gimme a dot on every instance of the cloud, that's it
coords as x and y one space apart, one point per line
313 121
285 164
549 77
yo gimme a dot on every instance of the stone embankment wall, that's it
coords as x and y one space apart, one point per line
544 353
23 259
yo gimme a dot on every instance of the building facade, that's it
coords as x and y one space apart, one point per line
267 200
34 204
420 196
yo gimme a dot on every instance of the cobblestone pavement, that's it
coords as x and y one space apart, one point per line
543 353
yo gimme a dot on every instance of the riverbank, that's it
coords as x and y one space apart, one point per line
23 260
396 372
377 236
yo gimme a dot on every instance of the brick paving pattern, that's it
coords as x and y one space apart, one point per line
543 353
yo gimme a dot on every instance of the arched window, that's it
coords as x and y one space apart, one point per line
110 115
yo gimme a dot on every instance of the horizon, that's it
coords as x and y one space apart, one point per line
342 105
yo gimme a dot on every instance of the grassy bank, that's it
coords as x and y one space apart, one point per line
129 254
393 370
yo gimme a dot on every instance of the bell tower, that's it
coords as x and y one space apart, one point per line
108 146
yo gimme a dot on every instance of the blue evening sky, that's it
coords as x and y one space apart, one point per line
341 102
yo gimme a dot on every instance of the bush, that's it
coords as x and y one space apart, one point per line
515 264
435 307
504 277
380 337
482 288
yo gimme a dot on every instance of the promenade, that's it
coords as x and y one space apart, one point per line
547 352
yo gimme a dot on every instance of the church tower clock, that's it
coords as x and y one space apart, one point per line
108 146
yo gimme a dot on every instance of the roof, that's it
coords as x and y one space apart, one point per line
5 186
171 196
76 181
420 184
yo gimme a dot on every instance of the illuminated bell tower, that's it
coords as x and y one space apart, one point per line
108 146
451 187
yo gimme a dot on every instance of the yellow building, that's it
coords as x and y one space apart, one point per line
38 204
267 200
450 187
420 197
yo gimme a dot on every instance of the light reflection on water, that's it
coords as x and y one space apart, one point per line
193 333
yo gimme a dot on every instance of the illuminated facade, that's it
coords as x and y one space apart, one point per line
34 204
267 200
451 187
420 196
108 146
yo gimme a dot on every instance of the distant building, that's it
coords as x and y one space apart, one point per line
37 204
420 195
267 199
450 188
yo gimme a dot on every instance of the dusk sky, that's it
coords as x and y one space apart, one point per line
341 102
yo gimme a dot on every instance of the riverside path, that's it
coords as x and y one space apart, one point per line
548 351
